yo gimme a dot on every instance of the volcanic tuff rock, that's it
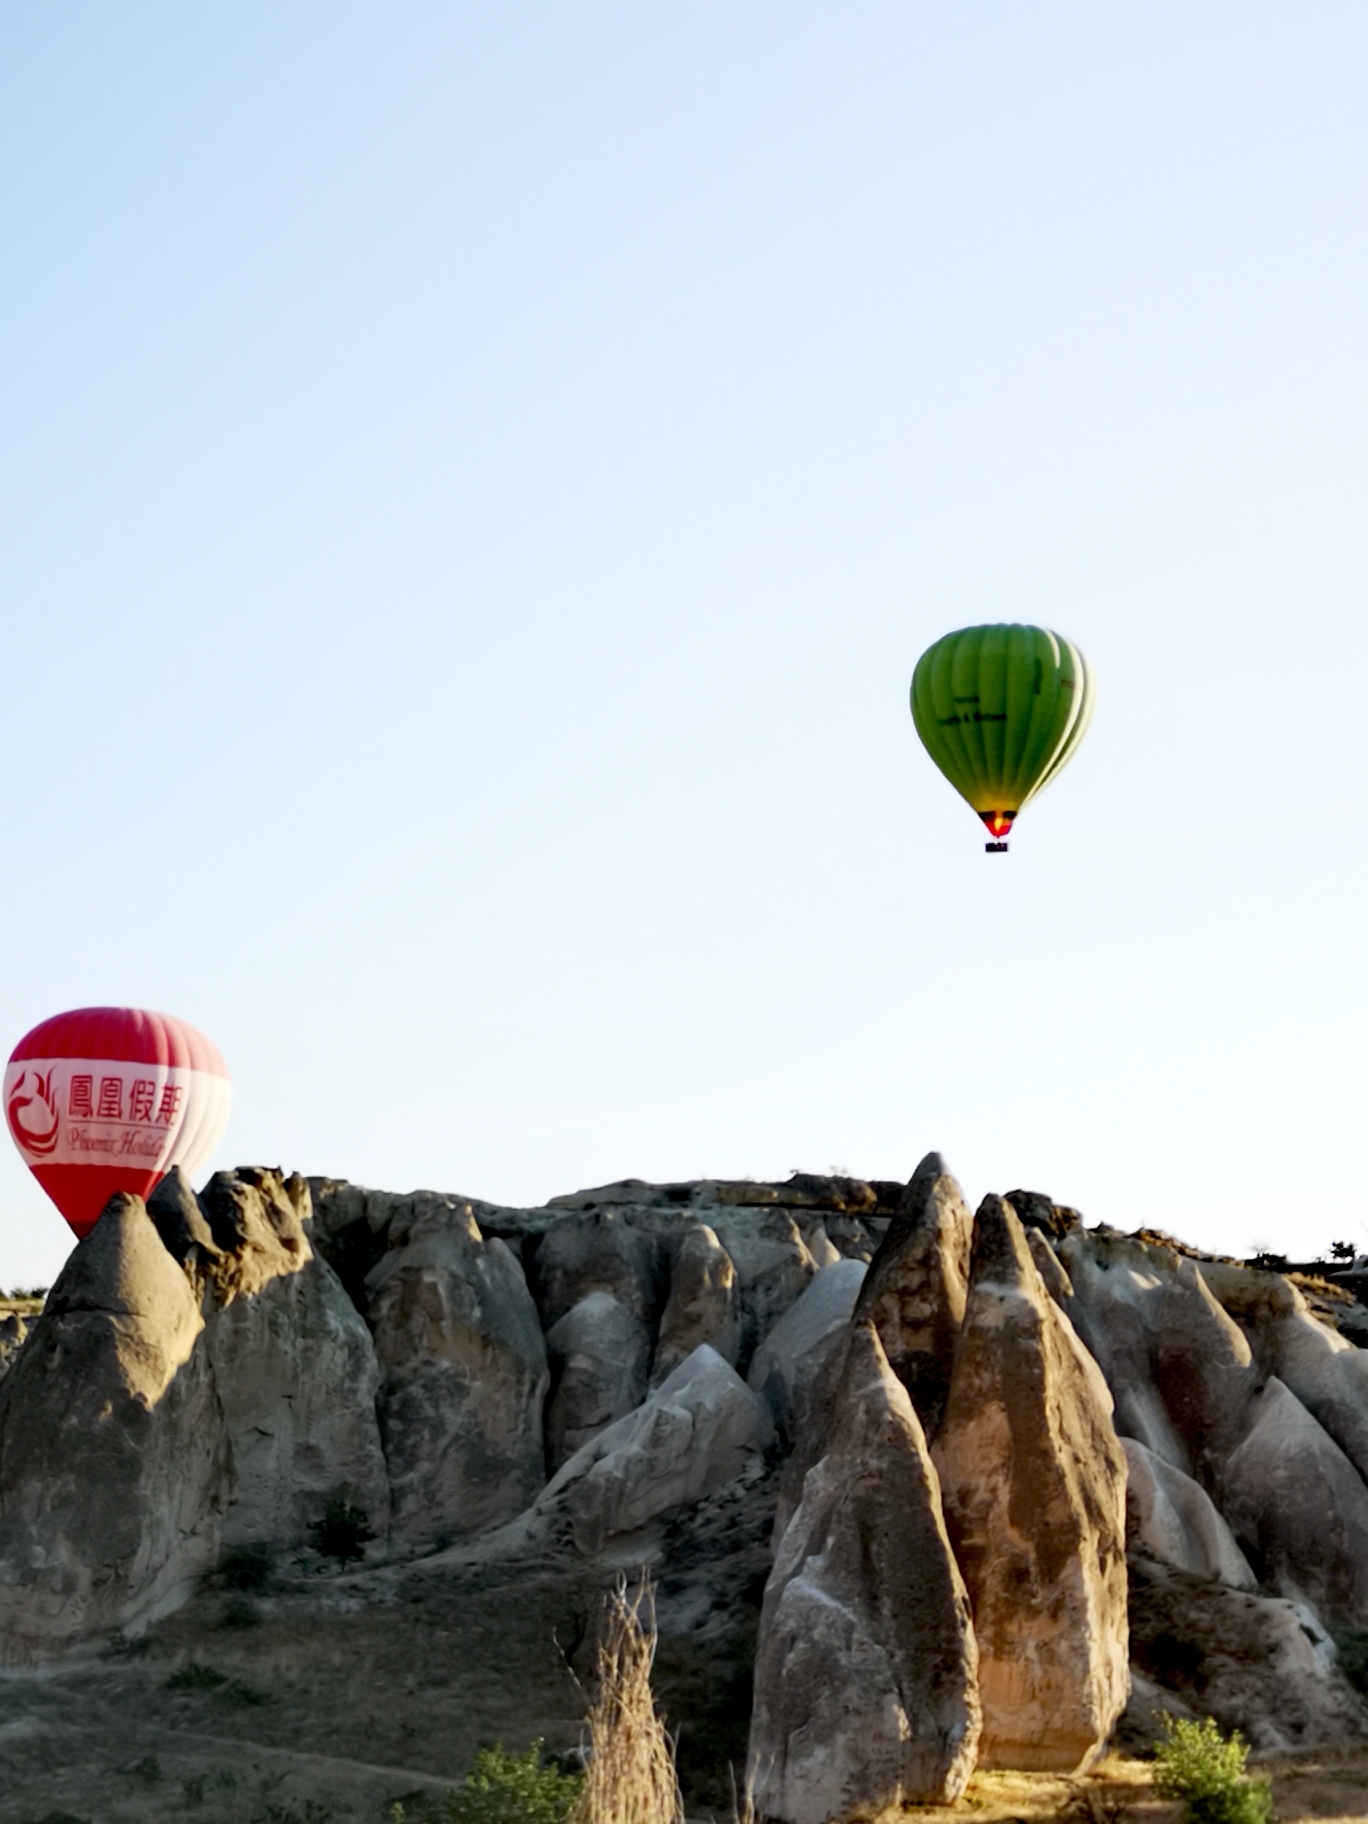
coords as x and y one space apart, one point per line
297 1378
702 1304
700 1429
917 1286
114 1464
773 1265
1172 1518
13 1331
464 1374
1118 1287
230 1342
597 1251
914 1294
1256 1663
1033 1480
1297 1502
600 1356
1322 1368
865 1677
1203 1371
1056 1281
787 1363
293 1362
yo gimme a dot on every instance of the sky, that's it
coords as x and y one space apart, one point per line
474 484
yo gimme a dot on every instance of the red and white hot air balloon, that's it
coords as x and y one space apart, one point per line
108 1099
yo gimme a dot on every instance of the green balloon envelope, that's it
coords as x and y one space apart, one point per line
1000 709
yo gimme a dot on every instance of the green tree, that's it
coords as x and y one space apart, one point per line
342 1533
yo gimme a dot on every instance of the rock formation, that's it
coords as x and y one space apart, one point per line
702 1306
297 1377
13 1332
463 1376
565 1387
1325 1371
865 1679
1299 1504
914 1294
114 1463
773 1265
292 1358
1172 1518
1203 1371
787 1364
597 1251
917 1286
1118 1285
1033 1480
697 1431
600 1357
1256 1663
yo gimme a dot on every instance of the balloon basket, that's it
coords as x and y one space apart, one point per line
995 848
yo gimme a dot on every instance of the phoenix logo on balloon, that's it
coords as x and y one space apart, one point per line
32 1139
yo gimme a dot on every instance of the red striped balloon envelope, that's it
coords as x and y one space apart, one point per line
108 1099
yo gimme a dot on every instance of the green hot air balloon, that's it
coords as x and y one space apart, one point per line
1000 709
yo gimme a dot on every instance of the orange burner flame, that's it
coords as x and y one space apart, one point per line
997 822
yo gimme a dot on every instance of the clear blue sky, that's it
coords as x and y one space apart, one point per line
475 480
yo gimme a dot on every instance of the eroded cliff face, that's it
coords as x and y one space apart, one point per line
939 1413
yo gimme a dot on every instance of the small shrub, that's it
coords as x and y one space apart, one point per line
239 1612
235 1691
512 1789
1205 1772
246 1568
196 1678
192 1790
147 1769
119 1646
501 1788
342 1533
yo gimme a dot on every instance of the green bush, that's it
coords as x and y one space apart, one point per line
503 1789
1205 1772
342 1533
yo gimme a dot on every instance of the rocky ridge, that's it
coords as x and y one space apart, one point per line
1023 1481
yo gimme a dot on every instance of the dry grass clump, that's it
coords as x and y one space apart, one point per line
630 1777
